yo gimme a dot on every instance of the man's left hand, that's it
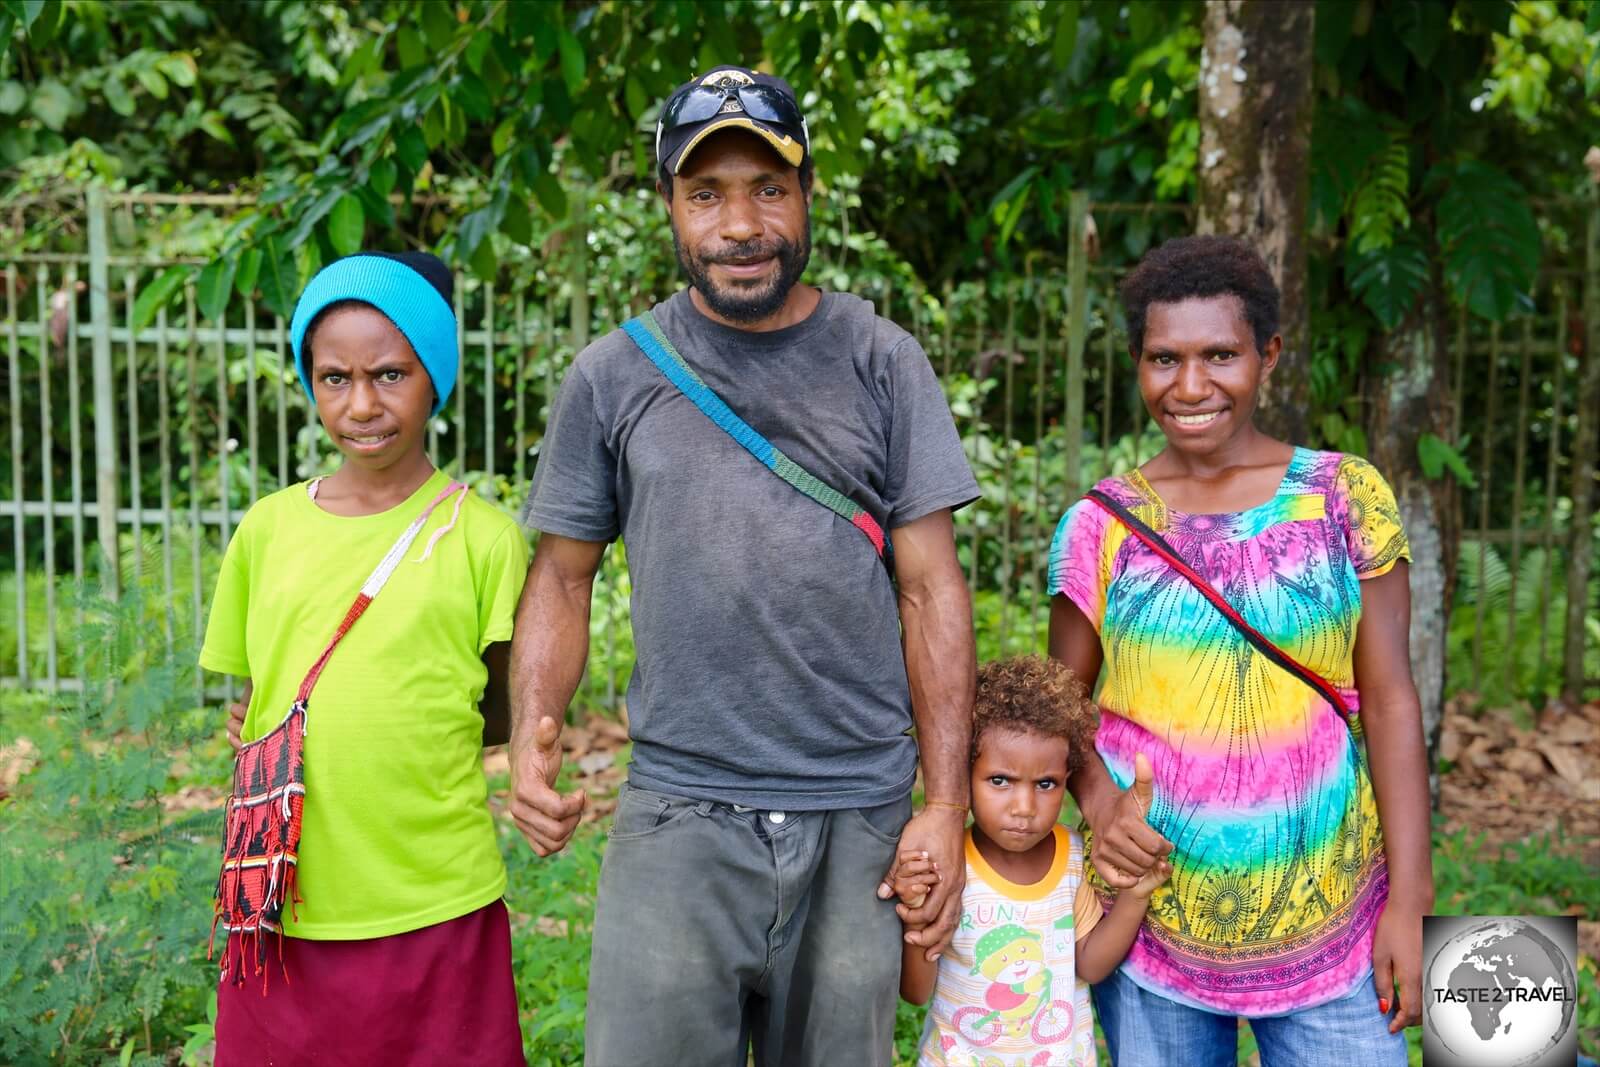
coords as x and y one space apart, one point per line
940 832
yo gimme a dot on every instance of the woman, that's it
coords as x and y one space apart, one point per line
1299 836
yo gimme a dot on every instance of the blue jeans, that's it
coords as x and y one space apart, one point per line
1144 1029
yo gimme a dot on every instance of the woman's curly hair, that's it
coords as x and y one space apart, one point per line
1034 694
1190 267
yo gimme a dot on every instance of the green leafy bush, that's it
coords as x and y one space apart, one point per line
102 917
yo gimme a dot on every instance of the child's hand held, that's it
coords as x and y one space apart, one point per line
1152 879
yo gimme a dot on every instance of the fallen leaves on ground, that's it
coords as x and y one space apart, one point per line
1510 782
16 759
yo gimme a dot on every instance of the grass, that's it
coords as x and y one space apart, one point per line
1544 875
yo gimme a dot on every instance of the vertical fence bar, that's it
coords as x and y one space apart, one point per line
69 286
1483 507
224 461
47 438
1552 461
980 322
252 415
1039 539
488 379
135 494
947 349
1581 554
1458 392
105 414
461 384
313 427
580 272
1509 661
520 438
283 403
1077 332
164 449
1105 394
549 356
1008 453
192 424
19 536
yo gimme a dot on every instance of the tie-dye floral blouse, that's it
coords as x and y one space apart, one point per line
1261 785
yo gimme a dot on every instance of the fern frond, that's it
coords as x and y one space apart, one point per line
1380 207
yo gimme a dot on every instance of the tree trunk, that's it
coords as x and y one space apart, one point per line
1573 682
1254 174
1408 397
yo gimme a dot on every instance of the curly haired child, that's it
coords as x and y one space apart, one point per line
1013 986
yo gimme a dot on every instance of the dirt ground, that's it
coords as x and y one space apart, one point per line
1513 776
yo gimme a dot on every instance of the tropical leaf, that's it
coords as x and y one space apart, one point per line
155 295
1347 139
280 278
1379 209
1488 236
216 286
1389 279
1437 456
346 225
1066 40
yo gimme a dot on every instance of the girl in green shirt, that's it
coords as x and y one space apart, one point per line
397 947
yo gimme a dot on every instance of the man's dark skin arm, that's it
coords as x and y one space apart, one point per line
1125 847
1391 715
941 664
549 647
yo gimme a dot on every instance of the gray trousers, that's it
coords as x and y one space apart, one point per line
719 928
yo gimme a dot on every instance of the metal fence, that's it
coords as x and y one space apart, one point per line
133 466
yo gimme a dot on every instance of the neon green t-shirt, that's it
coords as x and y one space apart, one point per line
397 832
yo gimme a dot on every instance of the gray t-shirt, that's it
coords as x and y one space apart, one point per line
769 670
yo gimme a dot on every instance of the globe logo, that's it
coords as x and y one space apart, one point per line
1499 992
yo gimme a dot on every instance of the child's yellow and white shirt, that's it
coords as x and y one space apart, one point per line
1007 992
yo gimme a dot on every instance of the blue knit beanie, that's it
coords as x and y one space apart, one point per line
413 289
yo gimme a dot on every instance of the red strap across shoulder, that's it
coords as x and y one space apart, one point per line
1258 640
374 583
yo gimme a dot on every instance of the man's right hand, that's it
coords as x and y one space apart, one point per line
236 725
1125 847
545 817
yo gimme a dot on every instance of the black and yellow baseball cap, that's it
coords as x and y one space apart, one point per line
731 97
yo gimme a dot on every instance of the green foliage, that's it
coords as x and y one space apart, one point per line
1389 279
1504 640
1488 236
118 956
1438 456
1379 207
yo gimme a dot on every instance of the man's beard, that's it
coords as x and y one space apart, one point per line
757 301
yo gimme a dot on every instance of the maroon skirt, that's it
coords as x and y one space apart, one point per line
442 994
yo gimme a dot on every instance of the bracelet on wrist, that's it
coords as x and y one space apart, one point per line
926 804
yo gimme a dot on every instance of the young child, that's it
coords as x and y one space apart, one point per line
1013 988
395 942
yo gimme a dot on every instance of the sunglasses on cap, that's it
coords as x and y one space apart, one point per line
701 102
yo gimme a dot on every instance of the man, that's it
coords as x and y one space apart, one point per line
772 695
